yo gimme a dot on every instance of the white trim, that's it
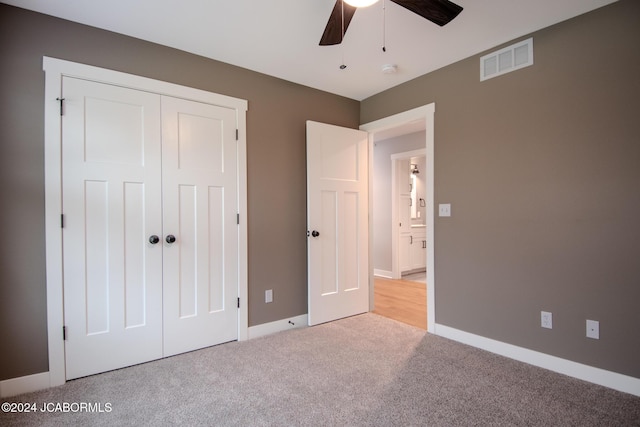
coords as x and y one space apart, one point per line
26 384
301 321
243 243
55 69
371 236
383 273
598 376
427 113
102 75
53 232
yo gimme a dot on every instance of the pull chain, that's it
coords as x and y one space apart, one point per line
384 26
342 64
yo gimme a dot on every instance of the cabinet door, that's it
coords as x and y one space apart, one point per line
405 252
418 251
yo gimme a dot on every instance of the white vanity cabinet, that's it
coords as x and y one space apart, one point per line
413 249
418 250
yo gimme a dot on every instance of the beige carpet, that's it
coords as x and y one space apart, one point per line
361 371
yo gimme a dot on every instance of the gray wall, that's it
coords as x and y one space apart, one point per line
382 203
542 168
276 167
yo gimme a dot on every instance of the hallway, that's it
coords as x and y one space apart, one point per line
403 300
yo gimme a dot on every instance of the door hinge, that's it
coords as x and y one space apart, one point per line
238 219
64 333
61 101
238 302
61 220
237 134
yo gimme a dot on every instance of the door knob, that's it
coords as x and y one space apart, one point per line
170 238
154 239
315 233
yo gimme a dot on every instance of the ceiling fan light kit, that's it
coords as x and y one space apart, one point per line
440 12
360 3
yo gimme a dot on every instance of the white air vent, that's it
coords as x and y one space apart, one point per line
505 60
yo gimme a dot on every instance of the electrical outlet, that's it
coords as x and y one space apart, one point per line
546 319
444 209
268 295
593 329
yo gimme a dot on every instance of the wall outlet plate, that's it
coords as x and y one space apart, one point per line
268 295
546 319
593 329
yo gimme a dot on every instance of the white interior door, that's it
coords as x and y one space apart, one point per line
337 203
150 238
112 203
199 167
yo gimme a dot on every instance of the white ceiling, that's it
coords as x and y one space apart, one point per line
280 37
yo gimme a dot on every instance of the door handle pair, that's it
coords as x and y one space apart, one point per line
155 239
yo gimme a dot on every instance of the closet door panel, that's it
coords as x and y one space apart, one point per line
199 205
111 204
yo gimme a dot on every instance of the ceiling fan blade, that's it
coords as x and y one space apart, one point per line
439 12
333 32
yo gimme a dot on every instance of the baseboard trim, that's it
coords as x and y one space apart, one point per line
301 321
383 273
26 384
591 374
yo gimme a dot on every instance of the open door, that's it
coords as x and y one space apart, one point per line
337 220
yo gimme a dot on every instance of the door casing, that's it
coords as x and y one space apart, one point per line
55 69
427 113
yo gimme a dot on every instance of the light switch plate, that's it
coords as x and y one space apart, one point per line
444 209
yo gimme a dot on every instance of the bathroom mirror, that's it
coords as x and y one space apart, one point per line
416 176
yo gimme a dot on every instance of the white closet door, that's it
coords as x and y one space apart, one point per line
112 205
200 207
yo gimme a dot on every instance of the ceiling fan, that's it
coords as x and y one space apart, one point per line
440 12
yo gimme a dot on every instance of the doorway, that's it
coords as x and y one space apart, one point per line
408 209
399 124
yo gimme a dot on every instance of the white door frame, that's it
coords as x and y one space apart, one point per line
427 113
55 69
395 206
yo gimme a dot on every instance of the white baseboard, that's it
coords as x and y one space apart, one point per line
383 273
26 384
598 376
277 326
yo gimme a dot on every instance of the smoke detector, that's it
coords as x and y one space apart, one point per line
389 68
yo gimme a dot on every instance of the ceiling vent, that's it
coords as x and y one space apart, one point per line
505 60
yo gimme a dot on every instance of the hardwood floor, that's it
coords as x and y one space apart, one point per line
401 300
